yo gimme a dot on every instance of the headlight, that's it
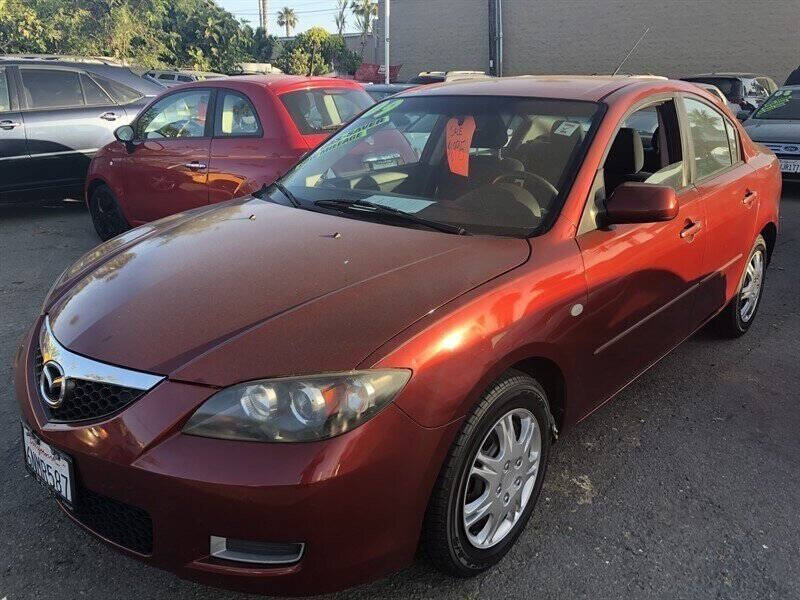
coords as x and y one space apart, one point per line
297 409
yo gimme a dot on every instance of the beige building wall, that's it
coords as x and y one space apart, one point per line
582 36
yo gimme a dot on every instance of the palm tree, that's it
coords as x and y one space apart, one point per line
364 11
341 16
287 18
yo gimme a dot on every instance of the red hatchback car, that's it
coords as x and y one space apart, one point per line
288 393
211 141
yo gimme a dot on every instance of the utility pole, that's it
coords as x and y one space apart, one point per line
386 41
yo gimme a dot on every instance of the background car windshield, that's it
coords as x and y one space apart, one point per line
323 110
783 104
732 88
488 164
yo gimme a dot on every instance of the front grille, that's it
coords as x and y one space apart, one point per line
123 524
87 400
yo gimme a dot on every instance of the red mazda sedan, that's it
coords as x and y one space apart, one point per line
288 393
211 141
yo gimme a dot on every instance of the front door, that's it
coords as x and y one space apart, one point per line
166 170
642 278
15 172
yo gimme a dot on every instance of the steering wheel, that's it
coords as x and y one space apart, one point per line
191 125
528 177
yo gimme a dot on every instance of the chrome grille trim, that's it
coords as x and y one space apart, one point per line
76 366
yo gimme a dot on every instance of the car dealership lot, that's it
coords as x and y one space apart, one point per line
686 485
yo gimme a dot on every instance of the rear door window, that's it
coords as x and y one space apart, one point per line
51 88
236 116
93 93
324 110
122 94
710 138
5 98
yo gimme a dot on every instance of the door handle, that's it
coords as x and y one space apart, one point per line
690 230
749 198
194 165
7 124
109 116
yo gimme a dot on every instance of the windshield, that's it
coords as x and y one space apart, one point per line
487 164
783 104
322 110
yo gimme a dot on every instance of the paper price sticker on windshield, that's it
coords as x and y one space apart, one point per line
458 134
567 128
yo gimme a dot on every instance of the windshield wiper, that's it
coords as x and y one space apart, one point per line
372 207
282 189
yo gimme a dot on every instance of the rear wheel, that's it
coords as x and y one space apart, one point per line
106 214
491 479
736 318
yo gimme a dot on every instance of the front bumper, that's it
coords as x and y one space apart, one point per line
356 501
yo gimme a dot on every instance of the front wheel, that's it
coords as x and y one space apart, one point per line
491 479
736 318
106 213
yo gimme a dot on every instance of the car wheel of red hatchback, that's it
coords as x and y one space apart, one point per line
106 214
491 479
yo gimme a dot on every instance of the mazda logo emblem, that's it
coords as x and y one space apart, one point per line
53 384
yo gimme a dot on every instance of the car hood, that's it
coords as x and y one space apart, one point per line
251 289
773 130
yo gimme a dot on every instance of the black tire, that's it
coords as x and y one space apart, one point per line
106 214
731 323
444 538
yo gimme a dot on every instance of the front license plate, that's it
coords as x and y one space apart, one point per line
51 467
790 166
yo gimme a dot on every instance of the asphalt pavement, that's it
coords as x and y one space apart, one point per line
687 485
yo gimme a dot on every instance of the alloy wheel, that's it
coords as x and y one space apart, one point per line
501 478
751 286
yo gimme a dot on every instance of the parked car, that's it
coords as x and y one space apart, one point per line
287 393
744 91
379 91
172 78
776 124
54 116
428 77
714 90
211 141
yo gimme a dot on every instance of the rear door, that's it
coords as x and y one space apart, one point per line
166 171
15 172
68 118
720 178
245 152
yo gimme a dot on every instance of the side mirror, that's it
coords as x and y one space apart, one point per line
124 134
634 202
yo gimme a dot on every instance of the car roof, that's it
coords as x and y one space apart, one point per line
575 87
277 83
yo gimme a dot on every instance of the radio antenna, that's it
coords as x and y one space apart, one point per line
631 51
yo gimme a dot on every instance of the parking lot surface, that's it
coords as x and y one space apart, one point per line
687 485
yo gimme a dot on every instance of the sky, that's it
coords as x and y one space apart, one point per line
309 13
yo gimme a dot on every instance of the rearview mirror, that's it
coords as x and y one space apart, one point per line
124 133
634 202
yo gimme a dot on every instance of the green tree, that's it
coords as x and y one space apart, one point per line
262 46
288 19
341 16
365 11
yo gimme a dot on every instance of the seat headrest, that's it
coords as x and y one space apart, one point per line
490 131
627 153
